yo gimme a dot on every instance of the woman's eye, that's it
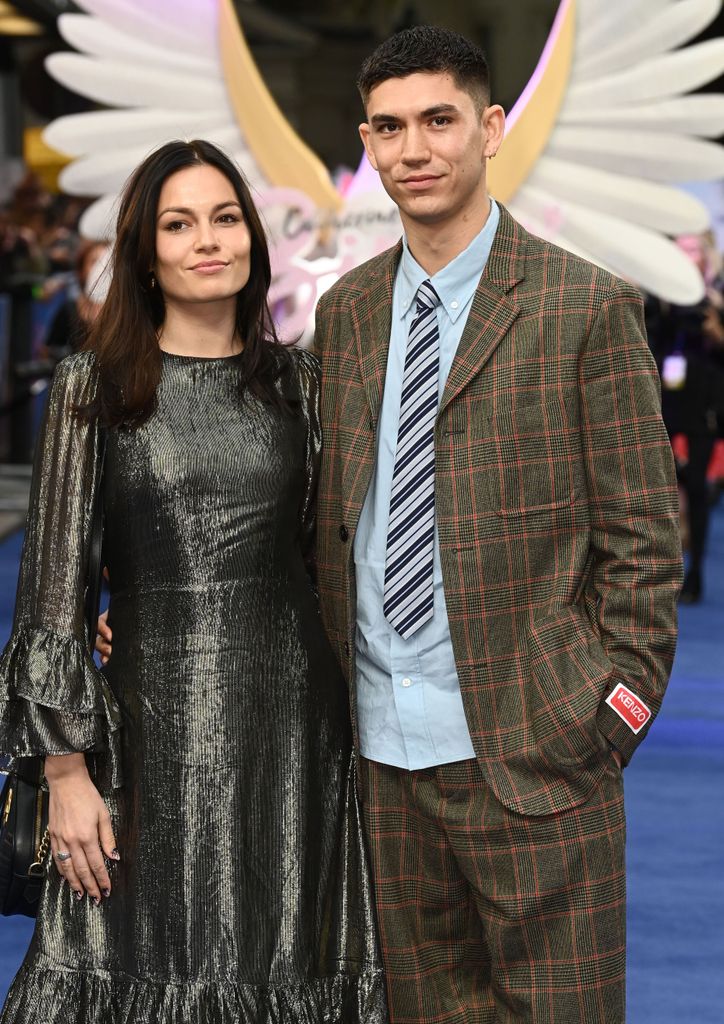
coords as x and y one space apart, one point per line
228 218
175 225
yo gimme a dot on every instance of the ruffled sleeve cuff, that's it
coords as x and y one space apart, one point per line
56 701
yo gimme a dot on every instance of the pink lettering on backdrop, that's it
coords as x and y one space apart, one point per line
309 250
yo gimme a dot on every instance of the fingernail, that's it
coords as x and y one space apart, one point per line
106 893
96 901
78 894
115 855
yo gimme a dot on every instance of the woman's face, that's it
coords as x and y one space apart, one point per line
203 245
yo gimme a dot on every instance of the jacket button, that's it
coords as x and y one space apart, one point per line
343 534
346 648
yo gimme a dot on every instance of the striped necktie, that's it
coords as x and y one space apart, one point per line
408 594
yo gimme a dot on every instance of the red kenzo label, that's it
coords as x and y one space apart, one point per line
629 707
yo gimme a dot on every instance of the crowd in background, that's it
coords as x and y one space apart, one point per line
45 262
41 252
38 232
51 288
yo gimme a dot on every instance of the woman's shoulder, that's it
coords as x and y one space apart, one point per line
76 376
296 371
308 366
78 365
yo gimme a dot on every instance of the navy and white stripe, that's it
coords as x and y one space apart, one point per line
408 598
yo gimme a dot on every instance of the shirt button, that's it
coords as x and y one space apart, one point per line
406 682
454 304
343 534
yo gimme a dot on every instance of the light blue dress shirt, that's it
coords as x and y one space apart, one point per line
409 707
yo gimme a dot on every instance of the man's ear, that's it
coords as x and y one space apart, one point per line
494 129
364 134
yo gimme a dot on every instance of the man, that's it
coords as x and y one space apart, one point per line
498 565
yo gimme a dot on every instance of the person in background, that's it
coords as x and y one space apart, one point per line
70 327
19 249
688 345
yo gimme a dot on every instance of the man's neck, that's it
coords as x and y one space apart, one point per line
434 245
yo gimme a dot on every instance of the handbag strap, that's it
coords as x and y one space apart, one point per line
94 570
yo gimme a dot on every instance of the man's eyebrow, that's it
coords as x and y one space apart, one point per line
190 213
439 108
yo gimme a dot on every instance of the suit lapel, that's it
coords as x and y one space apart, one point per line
372 323
491 315
493 310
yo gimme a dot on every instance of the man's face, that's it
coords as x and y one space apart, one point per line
429 143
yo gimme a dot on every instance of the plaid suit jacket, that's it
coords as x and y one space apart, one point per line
555 500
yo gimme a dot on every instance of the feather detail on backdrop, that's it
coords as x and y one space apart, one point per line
594 149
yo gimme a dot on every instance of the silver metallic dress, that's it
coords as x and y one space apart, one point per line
218 732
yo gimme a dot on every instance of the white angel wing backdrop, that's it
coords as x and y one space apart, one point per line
182 72
160 69
623 131
603 129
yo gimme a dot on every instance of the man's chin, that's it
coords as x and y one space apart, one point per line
424 210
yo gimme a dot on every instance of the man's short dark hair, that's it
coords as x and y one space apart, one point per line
432 50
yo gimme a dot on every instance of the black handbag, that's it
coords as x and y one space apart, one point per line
24 836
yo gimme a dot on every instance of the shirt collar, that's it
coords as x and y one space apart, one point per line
457 281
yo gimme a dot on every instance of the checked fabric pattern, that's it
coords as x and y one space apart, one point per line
529 920
408 598
555 507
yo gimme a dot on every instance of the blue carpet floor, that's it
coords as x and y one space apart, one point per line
675 809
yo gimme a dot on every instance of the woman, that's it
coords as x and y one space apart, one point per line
221 876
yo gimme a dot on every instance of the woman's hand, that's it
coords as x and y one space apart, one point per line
104 636
79 824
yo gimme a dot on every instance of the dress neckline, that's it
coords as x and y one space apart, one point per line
177 357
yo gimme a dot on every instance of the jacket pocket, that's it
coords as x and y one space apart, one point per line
569 673
535 463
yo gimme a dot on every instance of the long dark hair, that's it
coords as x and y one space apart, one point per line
124 336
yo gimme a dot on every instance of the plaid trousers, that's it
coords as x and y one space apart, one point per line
491 917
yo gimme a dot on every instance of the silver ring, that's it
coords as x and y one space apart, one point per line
63 856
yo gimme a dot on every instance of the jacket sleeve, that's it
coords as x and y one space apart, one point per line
631 481
53 698
309 372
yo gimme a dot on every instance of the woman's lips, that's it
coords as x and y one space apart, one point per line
209 268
